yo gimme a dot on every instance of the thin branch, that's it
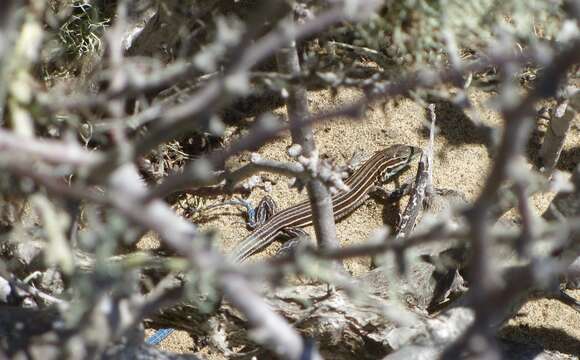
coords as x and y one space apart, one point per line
268 328
127 196
259 164
297 107
560 122
52 151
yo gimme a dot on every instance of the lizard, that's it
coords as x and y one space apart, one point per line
382 166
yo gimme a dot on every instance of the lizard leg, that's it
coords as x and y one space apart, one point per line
569 300
256 216
293 238
382 194
357 159
265 210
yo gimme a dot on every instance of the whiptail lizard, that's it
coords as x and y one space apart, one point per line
380 167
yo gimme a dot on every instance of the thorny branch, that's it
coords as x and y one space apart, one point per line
303 136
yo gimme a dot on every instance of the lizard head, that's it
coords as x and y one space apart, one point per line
398 157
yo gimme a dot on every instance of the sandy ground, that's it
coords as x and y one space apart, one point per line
461 163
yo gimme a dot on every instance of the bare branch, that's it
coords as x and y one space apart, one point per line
297 107
559 125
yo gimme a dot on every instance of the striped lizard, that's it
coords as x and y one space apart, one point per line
379 168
